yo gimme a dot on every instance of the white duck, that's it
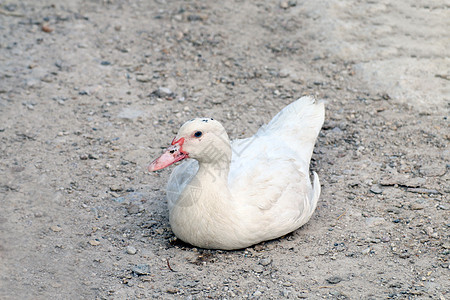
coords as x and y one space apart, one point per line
231 196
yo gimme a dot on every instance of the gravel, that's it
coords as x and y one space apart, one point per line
79 127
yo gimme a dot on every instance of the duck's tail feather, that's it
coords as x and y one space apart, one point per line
315 192
298 126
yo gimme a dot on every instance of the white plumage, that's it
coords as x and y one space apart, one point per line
230 196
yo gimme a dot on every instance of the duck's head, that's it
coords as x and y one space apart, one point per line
203 139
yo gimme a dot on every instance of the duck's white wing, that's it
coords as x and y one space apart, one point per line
271 169
179 179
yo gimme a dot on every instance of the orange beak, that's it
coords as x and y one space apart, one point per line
170 156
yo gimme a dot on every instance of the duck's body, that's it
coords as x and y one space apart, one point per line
231 196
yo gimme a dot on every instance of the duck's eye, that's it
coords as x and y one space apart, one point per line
198 134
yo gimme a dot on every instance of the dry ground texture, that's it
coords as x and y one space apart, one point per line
91 91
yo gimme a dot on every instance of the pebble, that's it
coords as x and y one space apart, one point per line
287 4
322 252
130 114
257 294
144 78
429 231
286 293
385 239
143 269
93 156
376 189
365 251
116 188
94 242
190 283
393 210
265 261
374 221
172 290
163 92
443 206
134 208
433 171
131 250
55 228
334 279
46 28
416 206
258 269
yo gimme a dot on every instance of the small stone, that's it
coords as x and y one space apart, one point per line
46 28
131 250
163 92
130 114
385 239
365 251
94 242
446 245
393 210
190 283
284 4
142 269
93 156
143 78
55 228
429 231
257 294
433 171
134 208
374 221
321 251
443 206
265 261
194 17
416 206
116 188
286 293
287 283
172 290
258 269
334 279
376 189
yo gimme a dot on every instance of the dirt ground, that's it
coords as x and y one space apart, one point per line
91 91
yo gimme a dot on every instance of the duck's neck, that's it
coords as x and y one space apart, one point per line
216 172
214 163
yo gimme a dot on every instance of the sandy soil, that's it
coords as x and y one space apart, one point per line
91 91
